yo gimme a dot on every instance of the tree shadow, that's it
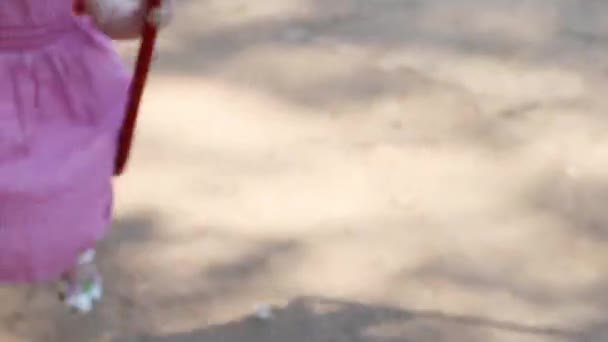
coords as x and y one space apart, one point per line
577 200
493 281
558 273
394 25
381 24
325 320
355 58
548 299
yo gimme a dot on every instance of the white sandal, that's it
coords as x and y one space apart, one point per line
81 295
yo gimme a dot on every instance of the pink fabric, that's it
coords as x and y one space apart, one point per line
62 95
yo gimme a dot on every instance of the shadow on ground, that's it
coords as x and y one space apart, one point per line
506 73
328 320
528 33
495 73
144 306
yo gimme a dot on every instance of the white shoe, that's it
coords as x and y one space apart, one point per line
96 291
82 295
80 302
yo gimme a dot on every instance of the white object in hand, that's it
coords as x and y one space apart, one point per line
106 9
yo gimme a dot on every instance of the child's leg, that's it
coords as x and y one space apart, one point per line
81 286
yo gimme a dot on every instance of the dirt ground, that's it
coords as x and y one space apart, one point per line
379 171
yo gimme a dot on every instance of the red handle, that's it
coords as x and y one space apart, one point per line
79 7
140 76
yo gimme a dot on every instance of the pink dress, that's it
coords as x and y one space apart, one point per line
62 96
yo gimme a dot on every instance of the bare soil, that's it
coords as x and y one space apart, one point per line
378 171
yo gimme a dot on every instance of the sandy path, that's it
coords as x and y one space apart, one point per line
381 171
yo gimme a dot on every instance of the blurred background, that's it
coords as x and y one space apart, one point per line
376 170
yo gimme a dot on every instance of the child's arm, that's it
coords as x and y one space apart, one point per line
124 19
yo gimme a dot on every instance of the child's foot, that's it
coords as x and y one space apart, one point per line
82 287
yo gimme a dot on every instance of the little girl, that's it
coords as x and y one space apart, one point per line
63 91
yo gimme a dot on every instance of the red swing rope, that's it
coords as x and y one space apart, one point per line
79 7
142 68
